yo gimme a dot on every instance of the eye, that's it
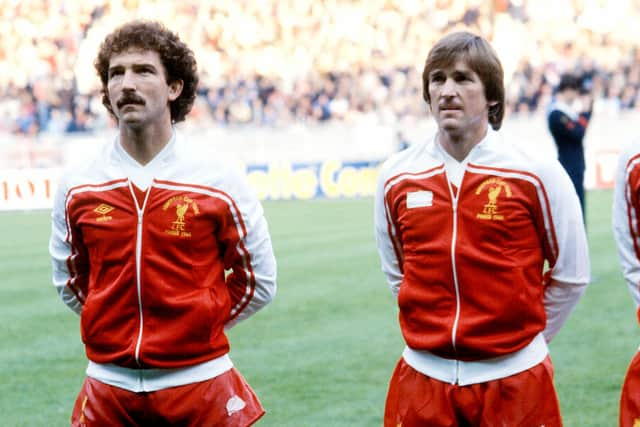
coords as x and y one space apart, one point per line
145 70
114 72
462 77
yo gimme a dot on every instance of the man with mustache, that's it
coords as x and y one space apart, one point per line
484 248
160 249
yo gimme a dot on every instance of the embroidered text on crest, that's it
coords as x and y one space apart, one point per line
495 188
182 205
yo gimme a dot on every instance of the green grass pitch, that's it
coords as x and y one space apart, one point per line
321 354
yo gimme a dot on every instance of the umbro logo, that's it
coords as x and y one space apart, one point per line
102 210
235 404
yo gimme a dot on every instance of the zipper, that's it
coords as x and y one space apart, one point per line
454 235
454 330
140 212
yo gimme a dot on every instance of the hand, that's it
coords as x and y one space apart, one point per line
587 102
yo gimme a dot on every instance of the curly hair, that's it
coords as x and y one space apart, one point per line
480 56
177 59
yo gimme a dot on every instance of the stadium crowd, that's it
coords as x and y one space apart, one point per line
275 62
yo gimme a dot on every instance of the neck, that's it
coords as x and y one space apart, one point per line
145 143
458 145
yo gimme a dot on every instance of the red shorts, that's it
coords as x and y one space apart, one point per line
630 398
223 401
526 399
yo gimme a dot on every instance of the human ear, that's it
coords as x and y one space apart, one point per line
175 89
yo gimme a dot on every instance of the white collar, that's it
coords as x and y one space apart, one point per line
484 141
142 175
563 107
455 168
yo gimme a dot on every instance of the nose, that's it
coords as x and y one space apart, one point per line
448 88
128 80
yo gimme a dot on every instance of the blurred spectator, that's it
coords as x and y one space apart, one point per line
568 125
26 122
272 62
80 121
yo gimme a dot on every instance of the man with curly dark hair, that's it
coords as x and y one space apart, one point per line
177 59
160 249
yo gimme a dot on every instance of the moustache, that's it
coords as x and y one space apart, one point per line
449 106
130 99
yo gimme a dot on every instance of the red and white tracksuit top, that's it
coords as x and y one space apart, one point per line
466 259
158 275
625 217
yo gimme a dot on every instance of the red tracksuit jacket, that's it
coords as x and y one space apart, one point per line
157 275
467 262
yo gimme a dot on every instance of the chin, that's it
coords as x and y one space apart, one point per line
450 126
454 131
131 122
